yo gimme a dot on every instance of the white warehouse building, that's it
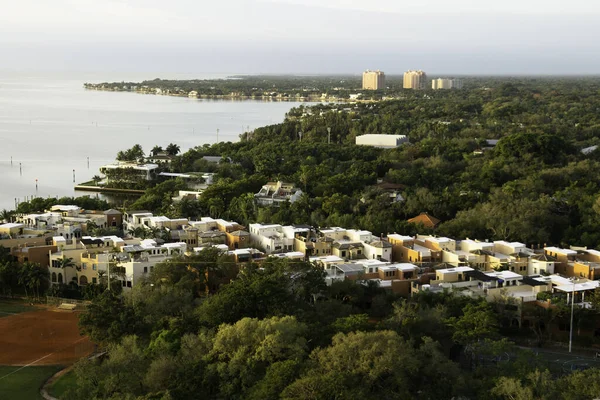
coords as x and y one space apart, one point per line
385 141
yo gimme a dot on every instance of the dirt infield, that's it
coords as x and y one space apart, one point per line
44 337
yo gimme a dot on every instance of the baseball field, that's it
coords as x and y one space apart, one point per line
36 342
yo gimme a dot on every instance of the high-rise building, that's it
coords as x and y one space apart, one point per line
415 80
442 83
373 80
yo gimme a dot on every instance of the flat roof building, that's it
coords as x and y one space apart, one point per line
382 141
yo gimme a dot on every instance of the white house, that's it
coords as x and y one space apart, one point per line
271 238
137 261
378 250
130 170
275 193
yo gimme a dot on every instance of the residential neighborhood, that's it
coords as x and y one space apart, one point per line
404 265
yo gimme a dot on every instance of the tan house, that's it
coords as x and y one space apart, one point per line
457 274
238 239
313 245
36 254
399 245
11 230
348 250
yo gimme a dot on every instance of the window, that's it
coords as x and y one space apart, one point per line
94 280
124 283
343 253
54 277
84 265
94 266
129 284
145 270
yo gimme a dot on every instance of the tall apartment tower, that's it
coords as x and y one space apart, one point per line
415 80
373 80
441 83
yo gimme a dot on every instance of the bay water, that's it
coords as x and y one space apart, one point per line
50 126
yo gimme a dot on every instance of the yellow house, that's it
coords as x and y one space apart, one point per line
238 239
584 269
562 256
348 250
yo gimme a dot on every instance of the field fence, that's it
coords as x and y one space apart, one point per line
57 301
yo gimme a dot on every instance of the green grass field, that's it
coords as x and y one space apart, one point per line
63 384
24 384
10 307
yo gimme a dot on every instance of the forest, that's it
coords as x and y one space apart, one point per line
530 183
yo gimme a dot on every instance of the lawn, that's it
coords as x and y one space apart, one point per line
24 384
10 307
60 387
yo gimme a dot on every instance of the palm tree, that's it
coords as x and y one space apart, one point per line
91 227
156 149
37 275
173 149
96 179
6 215
66 262
23 277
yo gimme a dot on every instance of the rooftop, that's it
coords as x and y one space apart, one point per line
511 244
59 207
455 269
11 226
505 275
402 238
578 287
425 219
559 250
350 268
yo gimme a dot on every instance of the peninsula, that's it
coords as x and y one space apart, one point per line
260 87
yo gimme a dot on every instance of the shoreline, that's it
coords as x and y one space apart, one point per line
278 98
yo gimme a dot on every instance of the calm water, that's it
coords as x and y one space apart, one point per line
51 125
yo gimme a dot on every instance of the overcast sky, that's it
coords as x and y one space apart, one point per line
302 36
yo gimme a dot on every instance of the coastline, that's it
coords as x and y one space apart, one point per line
276 98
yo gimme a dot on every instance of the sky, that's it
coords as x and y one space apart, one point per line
458 37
